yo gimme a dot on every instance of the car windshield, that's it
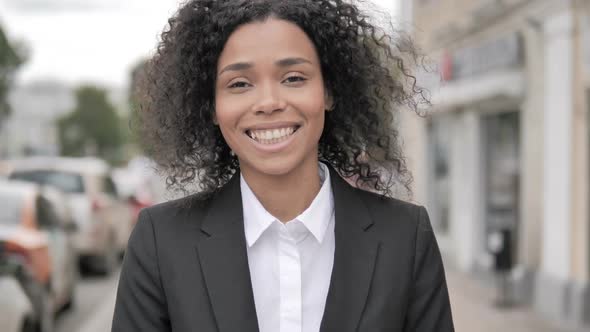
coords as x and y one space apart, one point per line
11 205
66 182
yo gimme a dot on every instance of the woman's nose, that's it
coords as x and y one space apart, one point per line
269 99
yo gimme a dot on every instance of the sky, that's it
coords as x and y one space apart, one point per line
90 41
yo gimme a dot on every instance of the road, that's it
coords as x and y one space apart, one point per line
93 308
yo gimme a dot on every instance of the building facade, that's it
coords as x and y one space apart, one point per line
504 150
31 128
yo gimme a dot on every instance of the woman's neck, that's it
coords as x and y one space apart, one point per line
285 196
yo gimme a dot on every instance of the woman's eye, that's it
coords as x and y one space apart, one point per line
295 79
239 84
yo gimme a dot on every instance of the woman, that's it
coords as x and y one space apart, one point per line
268 105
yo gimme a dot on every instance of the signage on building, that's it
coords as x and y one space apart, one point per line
496 54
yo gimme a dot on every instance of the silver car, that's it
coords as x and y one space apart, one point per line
35 244
104 220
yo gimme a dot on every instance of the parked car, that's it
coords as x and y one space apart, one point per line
104 219
32 227
26 264
4 169
139 185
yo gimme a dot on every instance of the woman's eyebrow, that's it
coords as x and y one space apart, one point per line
247 65
236 67
291 61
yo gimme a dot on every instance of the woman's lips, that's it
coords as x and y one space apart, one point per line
269 136
273 140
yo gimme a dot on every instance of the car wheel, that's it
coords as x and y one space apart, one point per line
43 308
72 289
46 315
108 262
29 325
69 304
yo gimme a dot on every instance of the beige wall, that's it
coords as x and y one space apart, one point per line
580 165
531 193
448 24
437 15
440 18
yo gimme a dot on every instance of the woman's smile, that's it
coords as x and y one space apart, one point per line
270 136
273 139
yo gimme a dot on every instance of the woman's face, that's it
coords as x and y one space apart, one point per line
270 98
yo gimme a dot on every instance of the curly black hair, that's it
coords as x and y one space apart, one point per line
364 67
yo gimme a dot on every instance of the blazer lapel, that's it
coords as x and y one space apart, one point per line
354 259
223 257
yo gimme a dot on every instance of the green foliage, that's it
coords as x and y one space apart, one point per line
92 128
134 121
136 75
11 58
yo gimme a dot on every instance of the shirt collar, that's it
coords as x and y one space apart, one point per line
315 218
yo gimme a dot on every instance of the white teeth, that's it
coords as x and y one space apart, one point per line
271 136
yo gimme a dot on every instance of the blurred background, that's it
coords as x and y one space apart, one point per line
500 159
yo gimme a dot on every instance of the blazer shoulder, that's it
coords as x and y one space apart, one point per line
191 207
393 212
376 201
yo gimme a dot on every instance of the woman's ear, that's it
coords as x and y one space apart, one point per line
329 101
215 122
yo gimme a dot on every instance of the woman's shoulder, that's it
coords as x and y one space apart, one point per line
188 208
391 211
377 201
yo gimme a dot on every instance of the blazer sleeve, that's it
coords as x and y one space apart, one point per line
429 307
141 304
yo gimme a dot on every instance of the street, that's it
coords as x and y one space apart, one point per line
473 310
93 307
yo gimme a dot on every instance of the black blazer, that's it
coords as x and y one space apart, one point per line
186 269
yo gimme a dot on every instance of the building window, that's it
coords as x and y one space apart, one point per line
439 137
502 174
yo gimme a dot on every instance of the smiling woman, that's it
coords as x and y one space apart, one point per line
360 67
269 105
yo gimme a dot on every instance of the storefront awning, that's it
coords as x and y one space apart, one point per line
503 86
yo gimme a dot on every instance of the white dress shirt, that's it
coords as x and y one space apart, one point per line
290 264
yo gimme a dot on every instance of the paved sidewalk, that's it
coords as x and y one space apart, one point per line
473 310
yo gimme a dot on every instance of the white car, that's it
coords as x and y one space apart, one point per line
104 220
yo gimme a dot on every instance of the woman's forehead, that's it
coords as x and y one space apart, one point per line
269 40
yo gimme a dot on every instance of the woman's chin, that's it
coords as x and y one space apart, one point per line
278 167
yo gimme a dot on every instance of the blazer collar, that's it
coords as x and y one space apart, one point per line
224 263
354 259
